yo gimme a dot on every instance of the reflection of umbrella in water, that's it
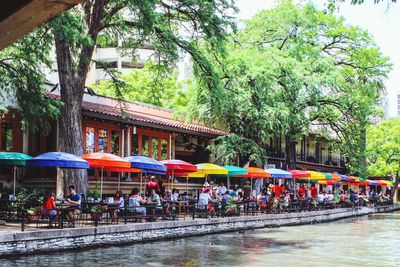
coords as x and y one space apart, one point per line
15 160
105 160
58 160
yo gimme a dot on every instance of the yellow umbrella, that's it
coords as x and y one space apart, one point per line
316 176
208 168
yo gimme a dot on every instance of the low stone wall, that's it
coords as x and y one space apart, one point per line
62 239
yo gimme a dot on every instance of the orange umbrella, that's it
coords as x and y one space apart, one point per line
254 172
105 160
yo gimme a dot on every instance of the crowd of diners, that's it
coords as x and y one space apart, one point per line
157 199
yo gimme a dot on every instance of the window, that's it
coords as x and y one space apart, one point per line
89 140
164 149
135 144
6 136
103 140
150 143
154 147
145 145
115 142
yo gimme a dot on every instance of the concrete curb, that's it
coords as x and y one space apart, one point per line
64 239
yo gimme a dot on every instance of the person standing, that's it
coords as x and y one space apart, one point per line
221 189
152 185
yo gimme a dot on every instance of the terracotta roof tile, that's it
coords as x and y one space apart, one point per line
133 116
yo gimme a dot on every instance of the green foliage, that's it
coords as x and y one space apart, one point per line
21 76
292 71
95 193
383 148
149 85
29 198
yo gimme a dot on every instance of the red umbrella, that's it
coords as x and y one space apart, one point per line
103 161
298 174
177 166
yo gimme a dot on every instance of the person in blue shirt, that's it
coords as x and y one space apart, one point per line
75 200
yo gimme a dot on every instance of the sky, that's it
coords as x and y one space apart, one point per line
382 22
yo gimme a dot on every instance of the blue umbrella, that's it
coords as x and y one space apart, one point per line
278 173
344 177
147 165
58 160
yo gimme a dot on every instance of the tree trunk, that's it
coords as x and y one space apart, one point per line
290 151
71 117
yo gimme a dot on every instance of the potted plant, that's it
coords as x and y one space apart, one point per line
94 194
230 208
32 214
96 212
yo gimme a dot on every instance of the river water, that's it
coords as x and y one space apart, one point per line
367 241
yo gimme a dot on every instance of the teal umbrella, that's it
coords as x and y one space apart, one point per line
14 159
233 171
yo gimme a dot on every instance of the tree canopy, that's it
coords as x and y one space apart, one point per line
294 70
148 85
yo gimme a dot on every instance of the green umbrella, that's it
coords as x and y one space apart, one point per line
233 171
14 159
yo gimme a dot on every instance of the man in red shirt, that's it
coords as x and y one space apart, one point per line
152 184
277 189
302 192
314 192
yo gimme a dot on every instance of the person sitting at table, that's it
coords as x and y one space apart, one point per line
119 202
168 202
175 194
49 204
74 199
221 189
135 201
204 199
154 199
215 202
262 200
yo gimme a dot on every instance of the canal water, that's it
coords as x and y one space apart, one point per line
366 241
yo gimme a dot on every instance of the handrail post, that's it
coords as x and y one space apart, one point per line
23 220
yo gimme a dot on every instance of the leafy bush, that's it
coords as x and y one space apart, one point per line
95 193
29 198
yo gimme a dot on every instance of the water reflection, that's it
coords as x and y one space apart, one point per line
366 241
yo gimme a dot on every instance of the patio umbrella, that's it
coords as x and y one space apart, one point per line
345 178
254 172
147 165
105 160
298 174
209 168
234 170
14 159
316 175
120 170
176 166
279 174
58 160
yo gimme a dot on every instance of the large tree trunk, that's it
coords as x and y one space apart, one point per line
71 117
290 151
72 71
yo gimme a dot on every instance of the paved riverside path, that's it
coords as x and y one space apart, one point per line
14 243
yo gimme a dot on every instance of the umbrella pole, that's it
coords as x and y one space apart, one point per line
119 180
59 184
227 182
15 179
251 187
101 184
187 185
172 181
141 179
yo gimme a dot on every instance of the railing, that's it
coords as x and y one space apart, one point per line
110 215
